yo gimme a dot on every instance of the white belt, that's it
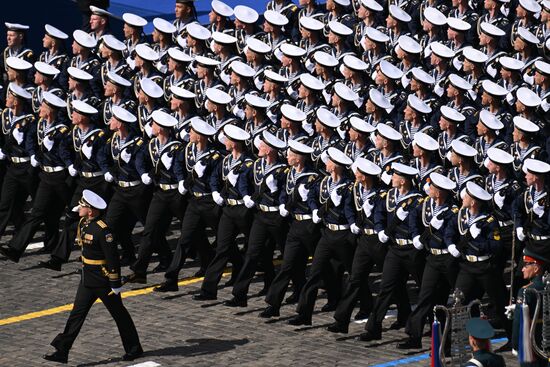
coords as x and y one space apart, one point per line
91 174
49 169
20 159
475 259
337 227
369 231
265 208
128 183
300 217
538 238
436 251
403 242
166 187
201 194
505 224
233 202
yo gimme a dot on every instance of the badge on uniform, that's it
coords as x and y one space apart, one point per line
109 237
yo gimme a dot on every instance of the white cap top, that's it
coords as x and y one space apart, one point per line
434 16
123 115
372 5
275 77
527 36
146 52
530 5
16 27
339 28
355 63
325 59
542 67
474 55
83 108
292 113
242 69
18 64
361 125
84 39
417 104
527 126
442 50
379 99
93 200
510 63
344 3
19 91
223 38
221 8
463 149
235 133
490 120
493 88
197 31
477 192
388 132
255 45
202 127
292 50
299 148
275 18
179 55
218 96
164 26
206 61
311 24
399 14
442 182
458 24
452 115
245 14
164 119
53 100
272 140
409 44
345 92
535 166
403 170
55 33
134 20
98 11
151 88
459 82
419 74
256 101
46 69
327 118
79 74
425 141
311 82
339 157
545 5
527 97
499 156
390 70
110 41
375 35
491 29
367 167
181 93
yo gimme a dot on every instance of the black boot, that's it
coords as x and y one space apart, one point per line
299 320
236 302
57 356
338 328
168 286
52 264
269 312
411 343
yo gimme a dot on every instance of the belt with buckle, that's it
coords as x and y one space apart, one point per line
300 217
505 223
337 227
93 262
403 242
128 183
20 159
201 194
436 251
91 174
475 259
369 231
166 187
49 169
233 202
538 238
267 209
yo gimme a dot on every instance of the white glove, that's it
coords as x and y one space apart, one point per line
248 202
385 177
181 187
72 171
401 213
199 168
271 183
146 179
34 162
148 128
232 177
367 208
475 230
217 198
520 233
303 192
538 210
417 244
116 290
436 223
48 143
166 160
2 155
510 311
453 250
282 210
354 229
499 199
382 237
108 177
87 150
125 156
316 218
17 135
336 199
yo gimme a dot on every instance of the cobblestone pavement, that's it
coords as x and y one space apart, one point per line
174 329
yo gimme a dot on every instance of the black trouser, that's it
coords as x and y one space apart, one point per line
266 226
234 220
85 298
200 213
300 243
438 280
338 245
19 183
53 194
163 207
399 263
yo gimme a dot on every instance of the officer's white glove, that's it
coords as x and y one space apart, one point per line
125 156
475 230
316 218
499 199
182 189
303 192
2 155
116 290
538 209
217 198
18 135
248 202
367 208
271 183
436 223
382 237
146 179
401 213
385 177
324 156
108 177
354 229
167 160
417 244
520 233
34 162
510 311
336 199
453 250
232 177
72 171
199 168
87 150
282 210
48 143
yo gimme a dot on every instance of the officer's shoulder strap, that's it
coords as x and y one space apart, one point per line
102 224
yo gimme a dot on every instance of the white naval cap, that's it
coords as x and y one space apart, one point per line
290 50
442 182
477 192
325 59
79 74
242 69
339 157
202 127
311 24
452 115
376 35
18 64
134 20
367 167
379 99
399 14
425 141
218 96
524 125
510 63
354 63
221 8
181 93
499 156
404 170
150 88
146 53
235 133
19 91
98 11
178 55
114 44
527 36
339 28
535 166
434 16
545 5
463 149
272 140
490 120
542 67
84 39
493 88
327 118
372 5
245 14
123 115
418 105
275 77
55 33
53 101
442 50
164 26
16 27
292 113
206 61
491 30
199 32
344 3
275 18
458 24
46 69
299 148
256 101
345 92
459 82
530 5
390 70
360 125
164 119
419 74
311 82
255 45
223 38
527 97
83 108
409 45
92 200
388 132
474 55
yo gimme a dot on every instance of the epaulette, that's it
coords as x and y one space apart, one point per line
64 129
139 142
248 163
383 194
490 219
101 223
454 209
215 156
286 170
101 133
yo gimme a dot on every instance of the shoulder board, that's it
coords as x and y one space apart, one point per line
454 209
139 141
490 219
215 156
64 129
101 223
248 163
383 194
101 133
